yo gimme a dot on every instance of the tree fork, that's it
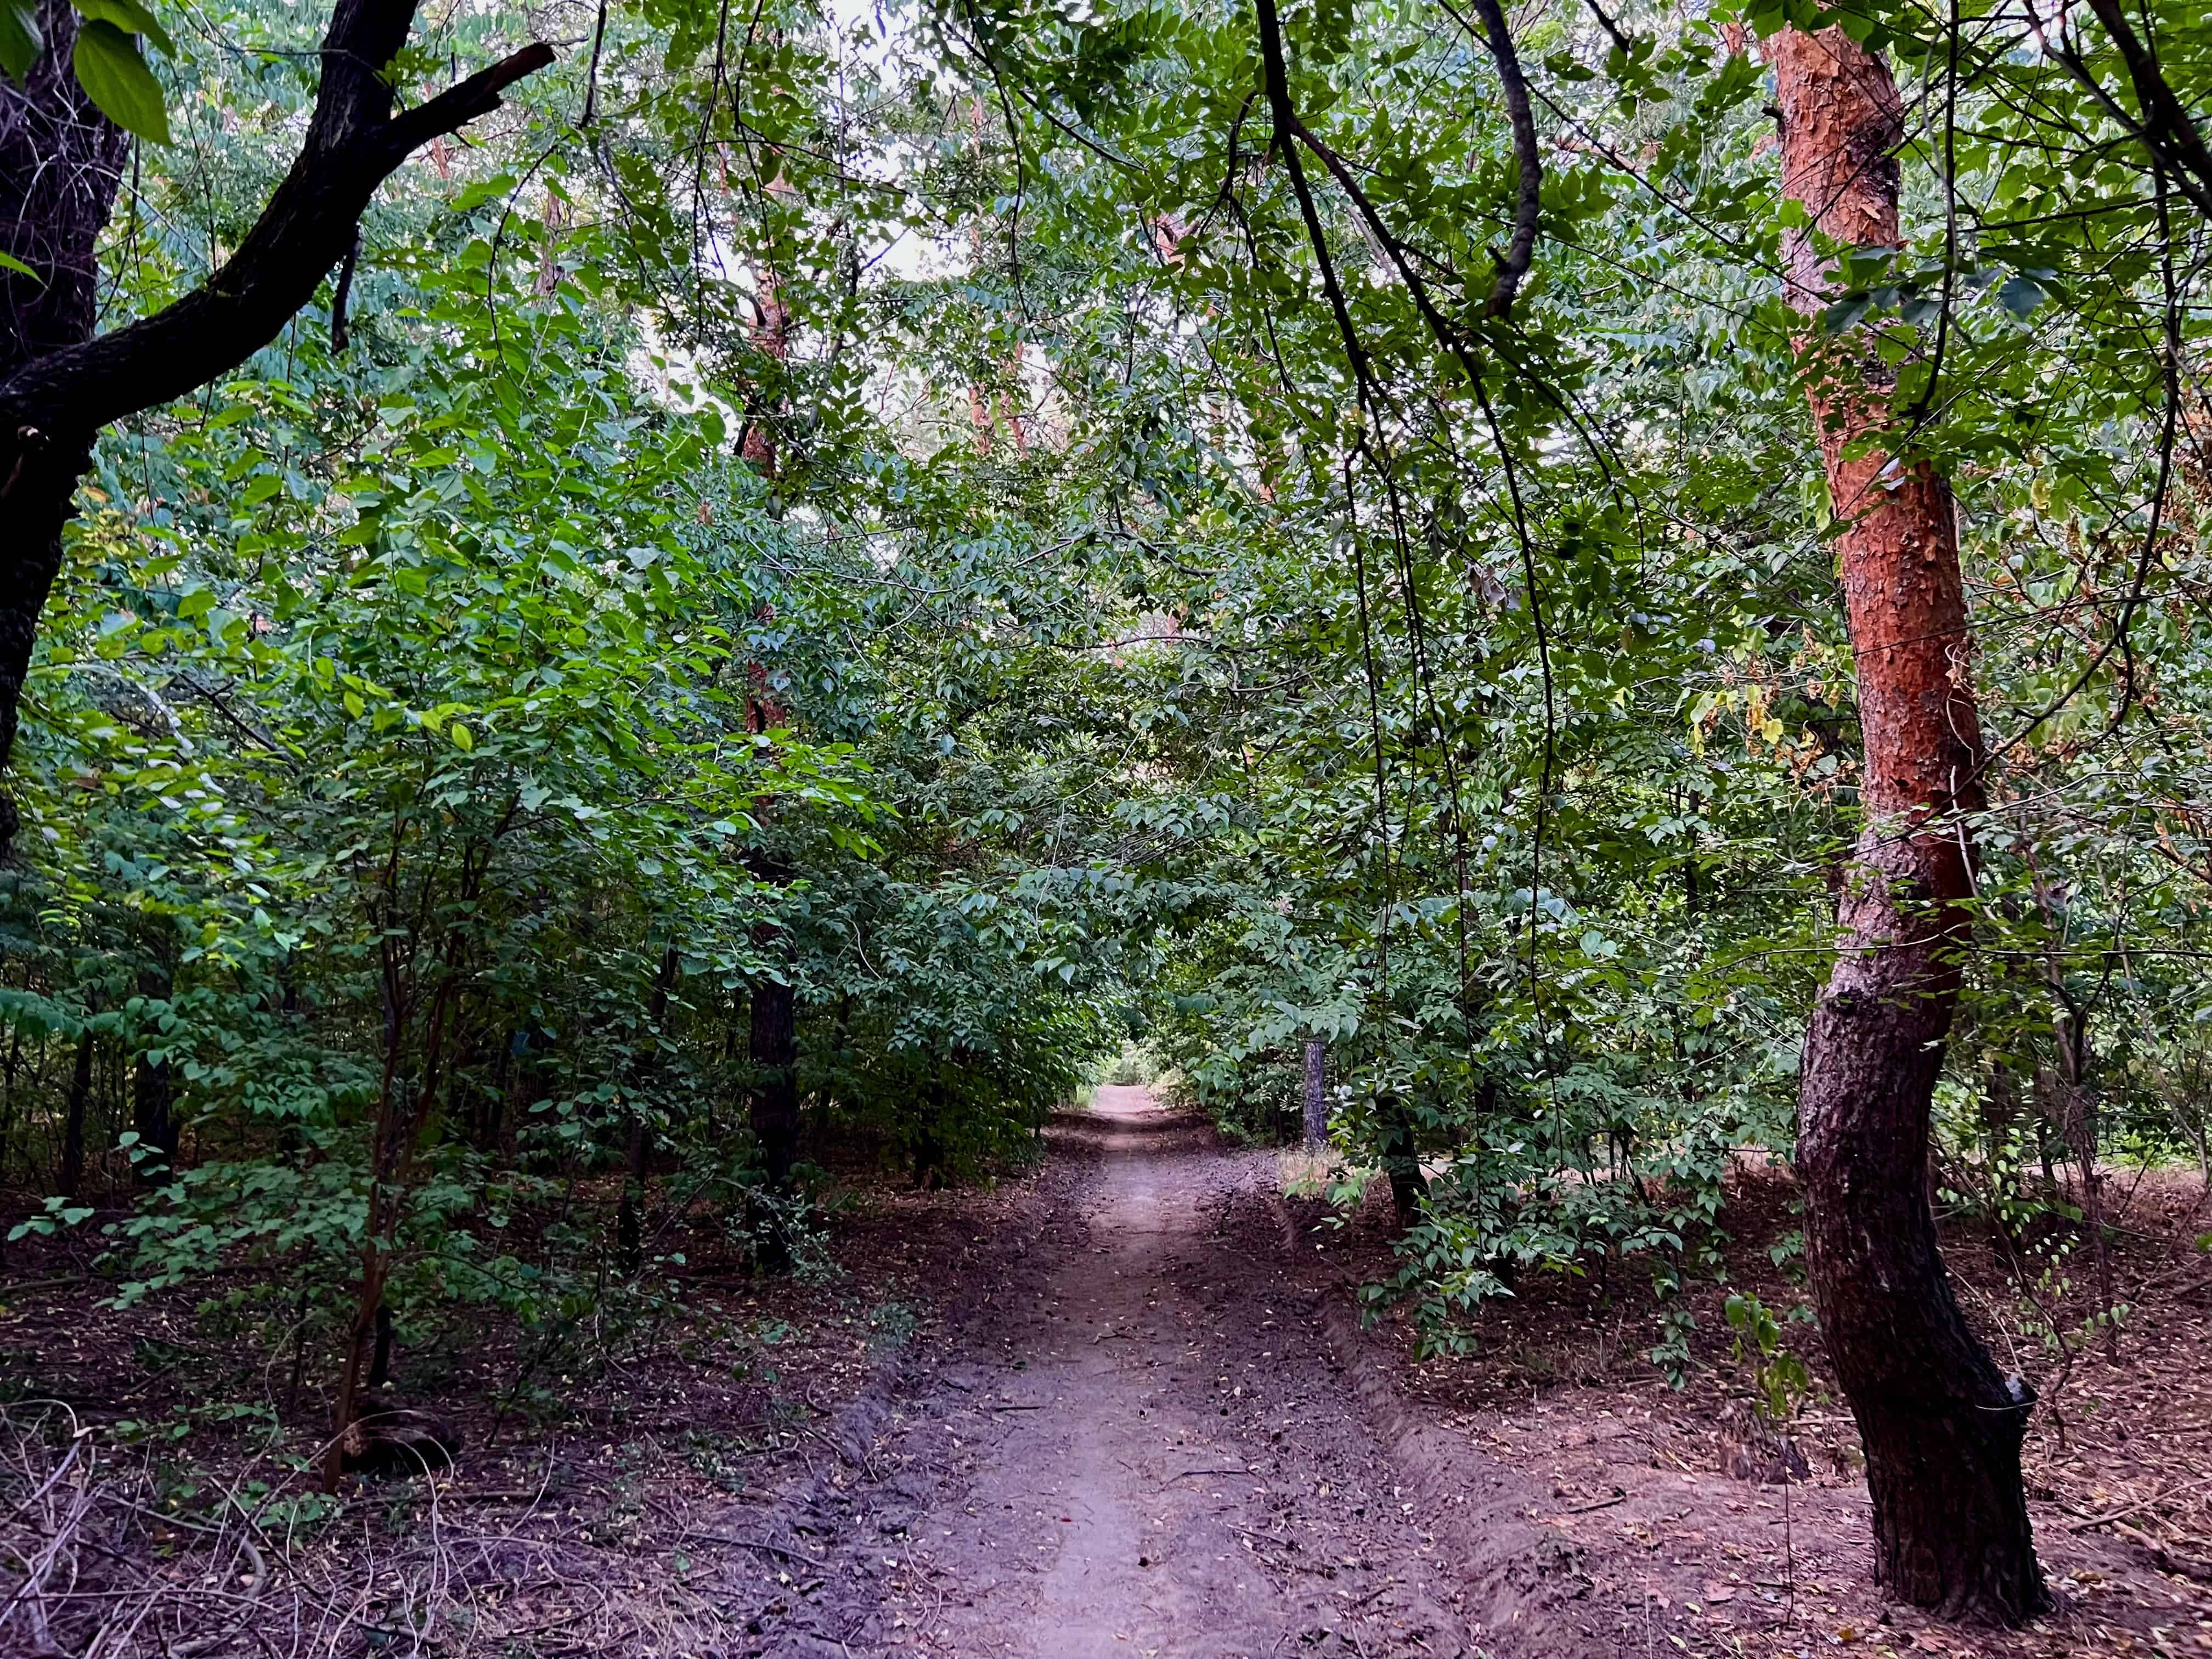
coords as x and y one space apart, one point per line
60 383
1941 1427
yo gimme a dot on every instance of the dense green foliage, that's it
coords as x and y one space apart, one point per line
891 506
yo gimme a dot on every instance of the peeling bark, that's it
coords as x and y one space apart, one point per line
1941 1426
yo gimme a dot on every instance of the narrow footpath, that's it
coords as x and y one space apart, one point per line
1133 1441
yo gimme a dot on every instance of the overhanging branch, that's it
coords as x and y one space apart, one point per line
354 143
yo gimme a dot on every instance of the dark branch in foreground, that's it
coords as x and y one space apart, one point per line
354 143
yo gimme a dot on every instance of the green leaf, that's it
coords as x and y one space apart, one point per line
1844 314
463 739
115 77
8 261
2021 295
21 43
128 17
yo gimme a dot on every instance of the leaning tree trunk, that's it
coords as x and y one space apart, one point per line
1941 1427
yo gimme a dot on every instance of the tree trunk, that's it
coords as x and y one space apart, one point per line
380 1366
1941 1427
152 1100
8 1101
403 1112
1316 1092
60 165
80 1094
1401 1162
61 161
630 1227
775 1085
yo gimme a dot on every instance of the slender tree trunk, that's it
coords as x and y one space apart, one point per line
1941 1427
8 1101
1316 1092
629 1228
775 1051
379 1365
404 1111
1401 1162
387 1139
2076 1104
80 1093
153 1100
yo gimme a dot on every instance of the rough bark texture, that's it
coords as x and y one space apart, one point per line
1941 1427
60 164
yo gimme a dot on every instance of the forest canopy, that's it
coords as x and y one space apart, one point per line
614 608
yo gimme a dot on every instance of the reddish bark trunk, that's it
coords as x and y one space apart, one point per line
1941 1427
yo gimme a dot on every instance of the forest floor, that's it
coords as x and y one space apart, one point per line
1122 1405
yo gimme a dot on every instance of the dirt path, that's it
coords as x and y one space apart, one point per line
1134 1443
1189 1477
1144 1423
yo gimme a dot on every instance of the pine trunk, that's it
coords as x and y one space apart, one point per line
1941 1427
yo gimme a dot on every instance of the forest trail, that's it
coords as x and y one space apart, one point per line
1135 1444
1190 1477
1143 1424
